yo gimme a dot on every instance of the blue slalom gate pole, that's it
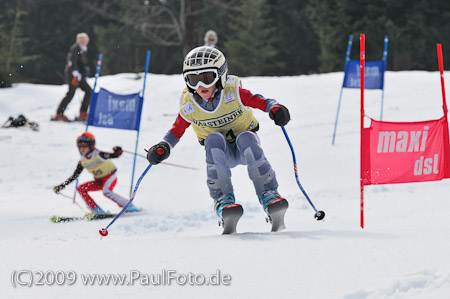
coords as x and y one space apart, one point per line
97 74
386 40
147 62
104 231
347 59
319 214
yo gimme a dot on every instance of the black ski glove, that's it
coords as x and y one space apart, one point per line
159 152
58 188
118 151
280 115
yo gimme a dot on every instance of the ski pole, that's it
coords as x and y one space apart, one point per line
319 214
166 163
104 231
73 201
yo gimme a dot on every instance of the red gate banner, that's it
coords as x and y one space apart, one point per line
405 152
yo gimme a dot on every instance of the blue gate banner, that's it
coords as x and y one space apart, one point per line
373 75
110 110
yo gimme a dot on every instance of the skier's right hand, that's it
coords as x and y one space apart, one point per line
58 188
159 152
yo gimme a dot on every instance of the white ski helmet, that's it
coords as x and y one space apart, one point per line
205 66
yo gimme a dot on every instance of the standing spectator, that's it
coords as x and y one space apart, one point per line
76 71
211 39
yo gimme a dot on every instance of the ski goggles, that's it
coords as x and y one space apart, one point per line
205 78
84 142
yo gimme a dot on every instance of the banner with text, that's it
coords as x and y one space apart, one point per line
110 110
404 152
373 75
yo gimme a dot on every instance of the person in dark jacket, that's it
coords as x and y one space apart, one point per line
76 72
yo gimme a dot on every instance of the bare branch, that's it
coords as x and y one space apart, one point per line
161 23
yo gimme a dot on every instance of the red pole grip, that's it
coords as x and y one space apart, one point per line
160 151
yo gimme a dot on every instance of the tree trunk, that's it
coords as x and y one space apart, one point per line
13 38
190 25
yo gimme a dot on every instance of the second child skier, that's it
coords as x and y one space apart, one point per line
100 165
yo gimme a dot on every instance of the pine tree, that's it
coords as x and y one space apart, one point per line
330 26
297 43
252 51
11 42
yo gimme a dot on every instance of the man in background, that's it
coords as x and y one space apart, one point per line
211 39
76 72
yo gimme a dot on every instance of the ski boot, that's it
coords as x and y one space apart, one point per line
275 206
60 117
132 208
82 118
229 213
96 213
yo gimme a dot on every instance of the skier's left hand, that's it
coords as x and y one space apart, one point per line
76 78
280 115
118 151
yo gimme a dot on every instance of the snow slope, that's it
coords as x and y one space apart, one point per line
402 253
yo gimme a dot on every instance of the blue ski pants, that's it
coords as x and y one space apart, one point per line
221 156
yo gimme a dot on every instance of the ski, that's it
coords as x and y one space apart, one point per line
275 213
81 120
86 217
230 217
76 119
52 118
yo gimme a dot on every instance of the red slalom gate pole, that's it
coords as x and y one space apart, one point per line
362 57
441 71
444 102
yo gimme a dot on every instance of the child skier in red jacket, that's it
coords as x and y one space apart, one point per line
100 165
